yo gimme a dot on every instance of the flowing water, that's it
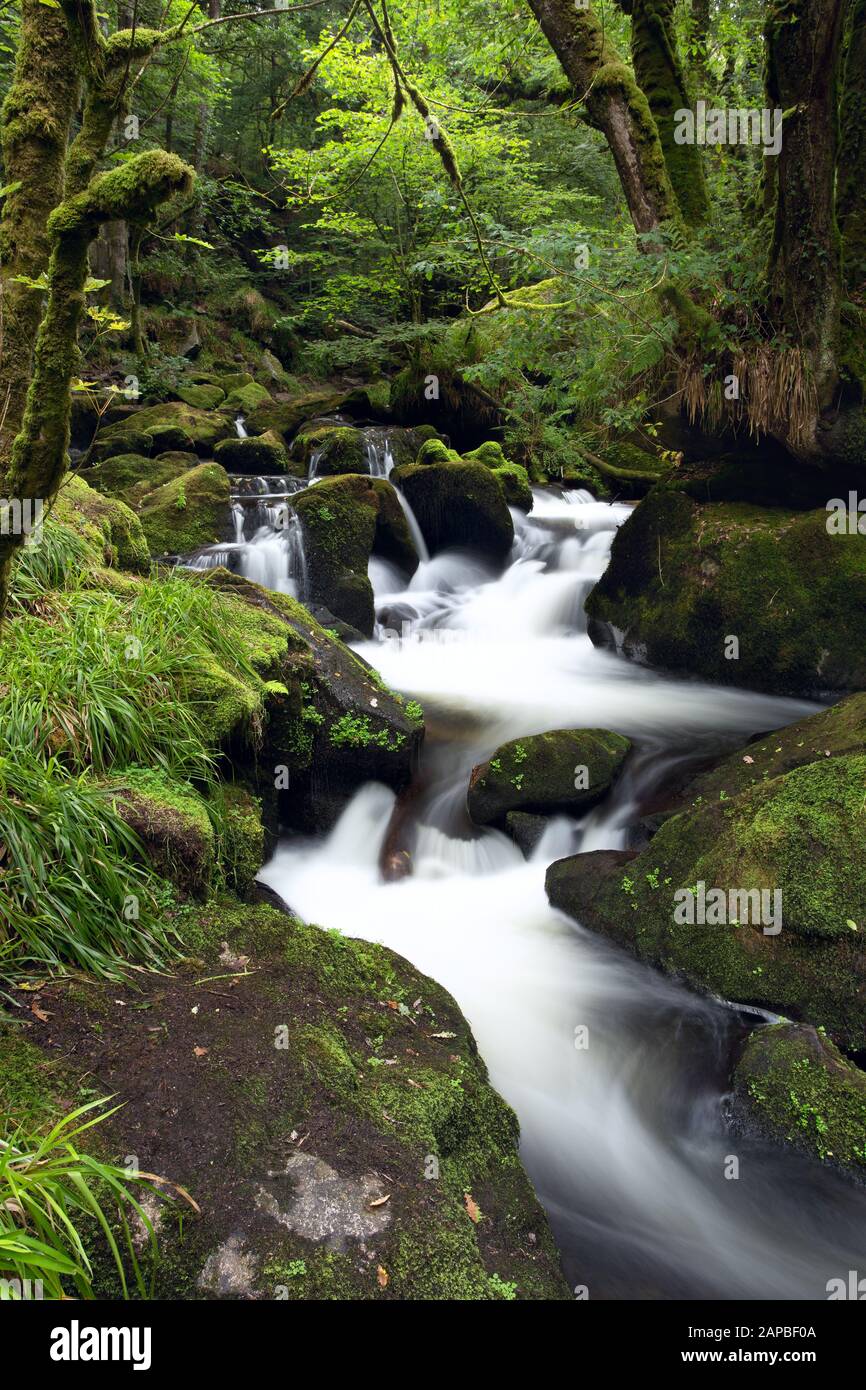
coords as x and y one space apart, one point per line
626 1140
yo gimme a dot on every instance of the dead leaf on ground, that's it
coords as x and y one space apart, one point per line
380 1201
200 1051
472 1207
382 1276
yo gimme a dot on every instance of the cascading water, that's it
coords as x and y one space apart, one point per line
268 546
626 1140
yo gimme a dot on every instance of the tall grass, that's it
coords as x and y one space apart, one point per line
71 892
54 1199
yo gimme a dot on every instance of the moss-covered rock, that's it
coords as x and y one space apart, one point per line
335 449
796 834
684 580
792 1085
335 1145
204 395
263 453
123 540
172 823
188 512
328 721
566 770
244 400
345 520
128 440
241 837
131 476
287 416
457 504
512 477
198 430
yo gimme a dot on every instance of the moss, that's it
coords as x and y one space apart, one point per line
130 477
202 429
457 503
436 451
795 1086
514 481
244 400
172 822
31 1085
540 773
797 833
286 417
123 538
241 837
264 453
682 578
202 396
190 511
128 440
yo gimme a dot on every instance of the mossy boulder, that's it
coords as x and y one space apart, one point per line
796 835
793 1086
131 476
565 771
241 839
196 430
118 529
457 504
264 453
172 823
335 1124
335 449
243 400
128 440
233 381
320 713
188 512
345 520
512 477
287 416
204 395
737 594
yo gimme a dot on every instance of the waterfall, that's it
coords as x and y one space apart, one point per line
625 1141
268 545
240 427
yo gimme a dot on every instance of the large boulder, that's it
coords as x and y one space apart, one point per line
793 1086
172 824
344 521
243 400
335 449
457 504
285 417
107 521
171 425
131 476
564 771
797 943
264 454
190 511
737 594
325 1107
202 395
512 477
327 719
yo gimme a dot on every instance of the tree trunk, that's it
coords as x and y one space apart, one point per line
37 116
805 278
616 106
851 178
660 77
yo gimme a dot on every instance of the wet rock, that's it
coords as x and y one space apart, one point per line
457 504
566 770
313 1200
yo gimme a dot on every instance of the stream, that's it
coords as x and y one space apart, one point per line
626 1141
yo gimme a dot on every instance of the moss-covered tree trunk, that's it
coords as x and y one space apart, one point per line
851 186
660 77
614 104
36 121
130 193
803 39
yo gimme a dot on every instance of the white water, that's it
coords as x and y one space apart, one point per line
625 1141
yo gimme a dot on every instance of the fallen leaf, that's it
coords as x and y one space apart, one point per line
380 1201
443 1035
472 1208
200 1051
39 1013
747 759
382 1276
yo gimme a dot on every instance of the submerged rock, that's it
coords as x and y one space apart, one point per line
567 770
